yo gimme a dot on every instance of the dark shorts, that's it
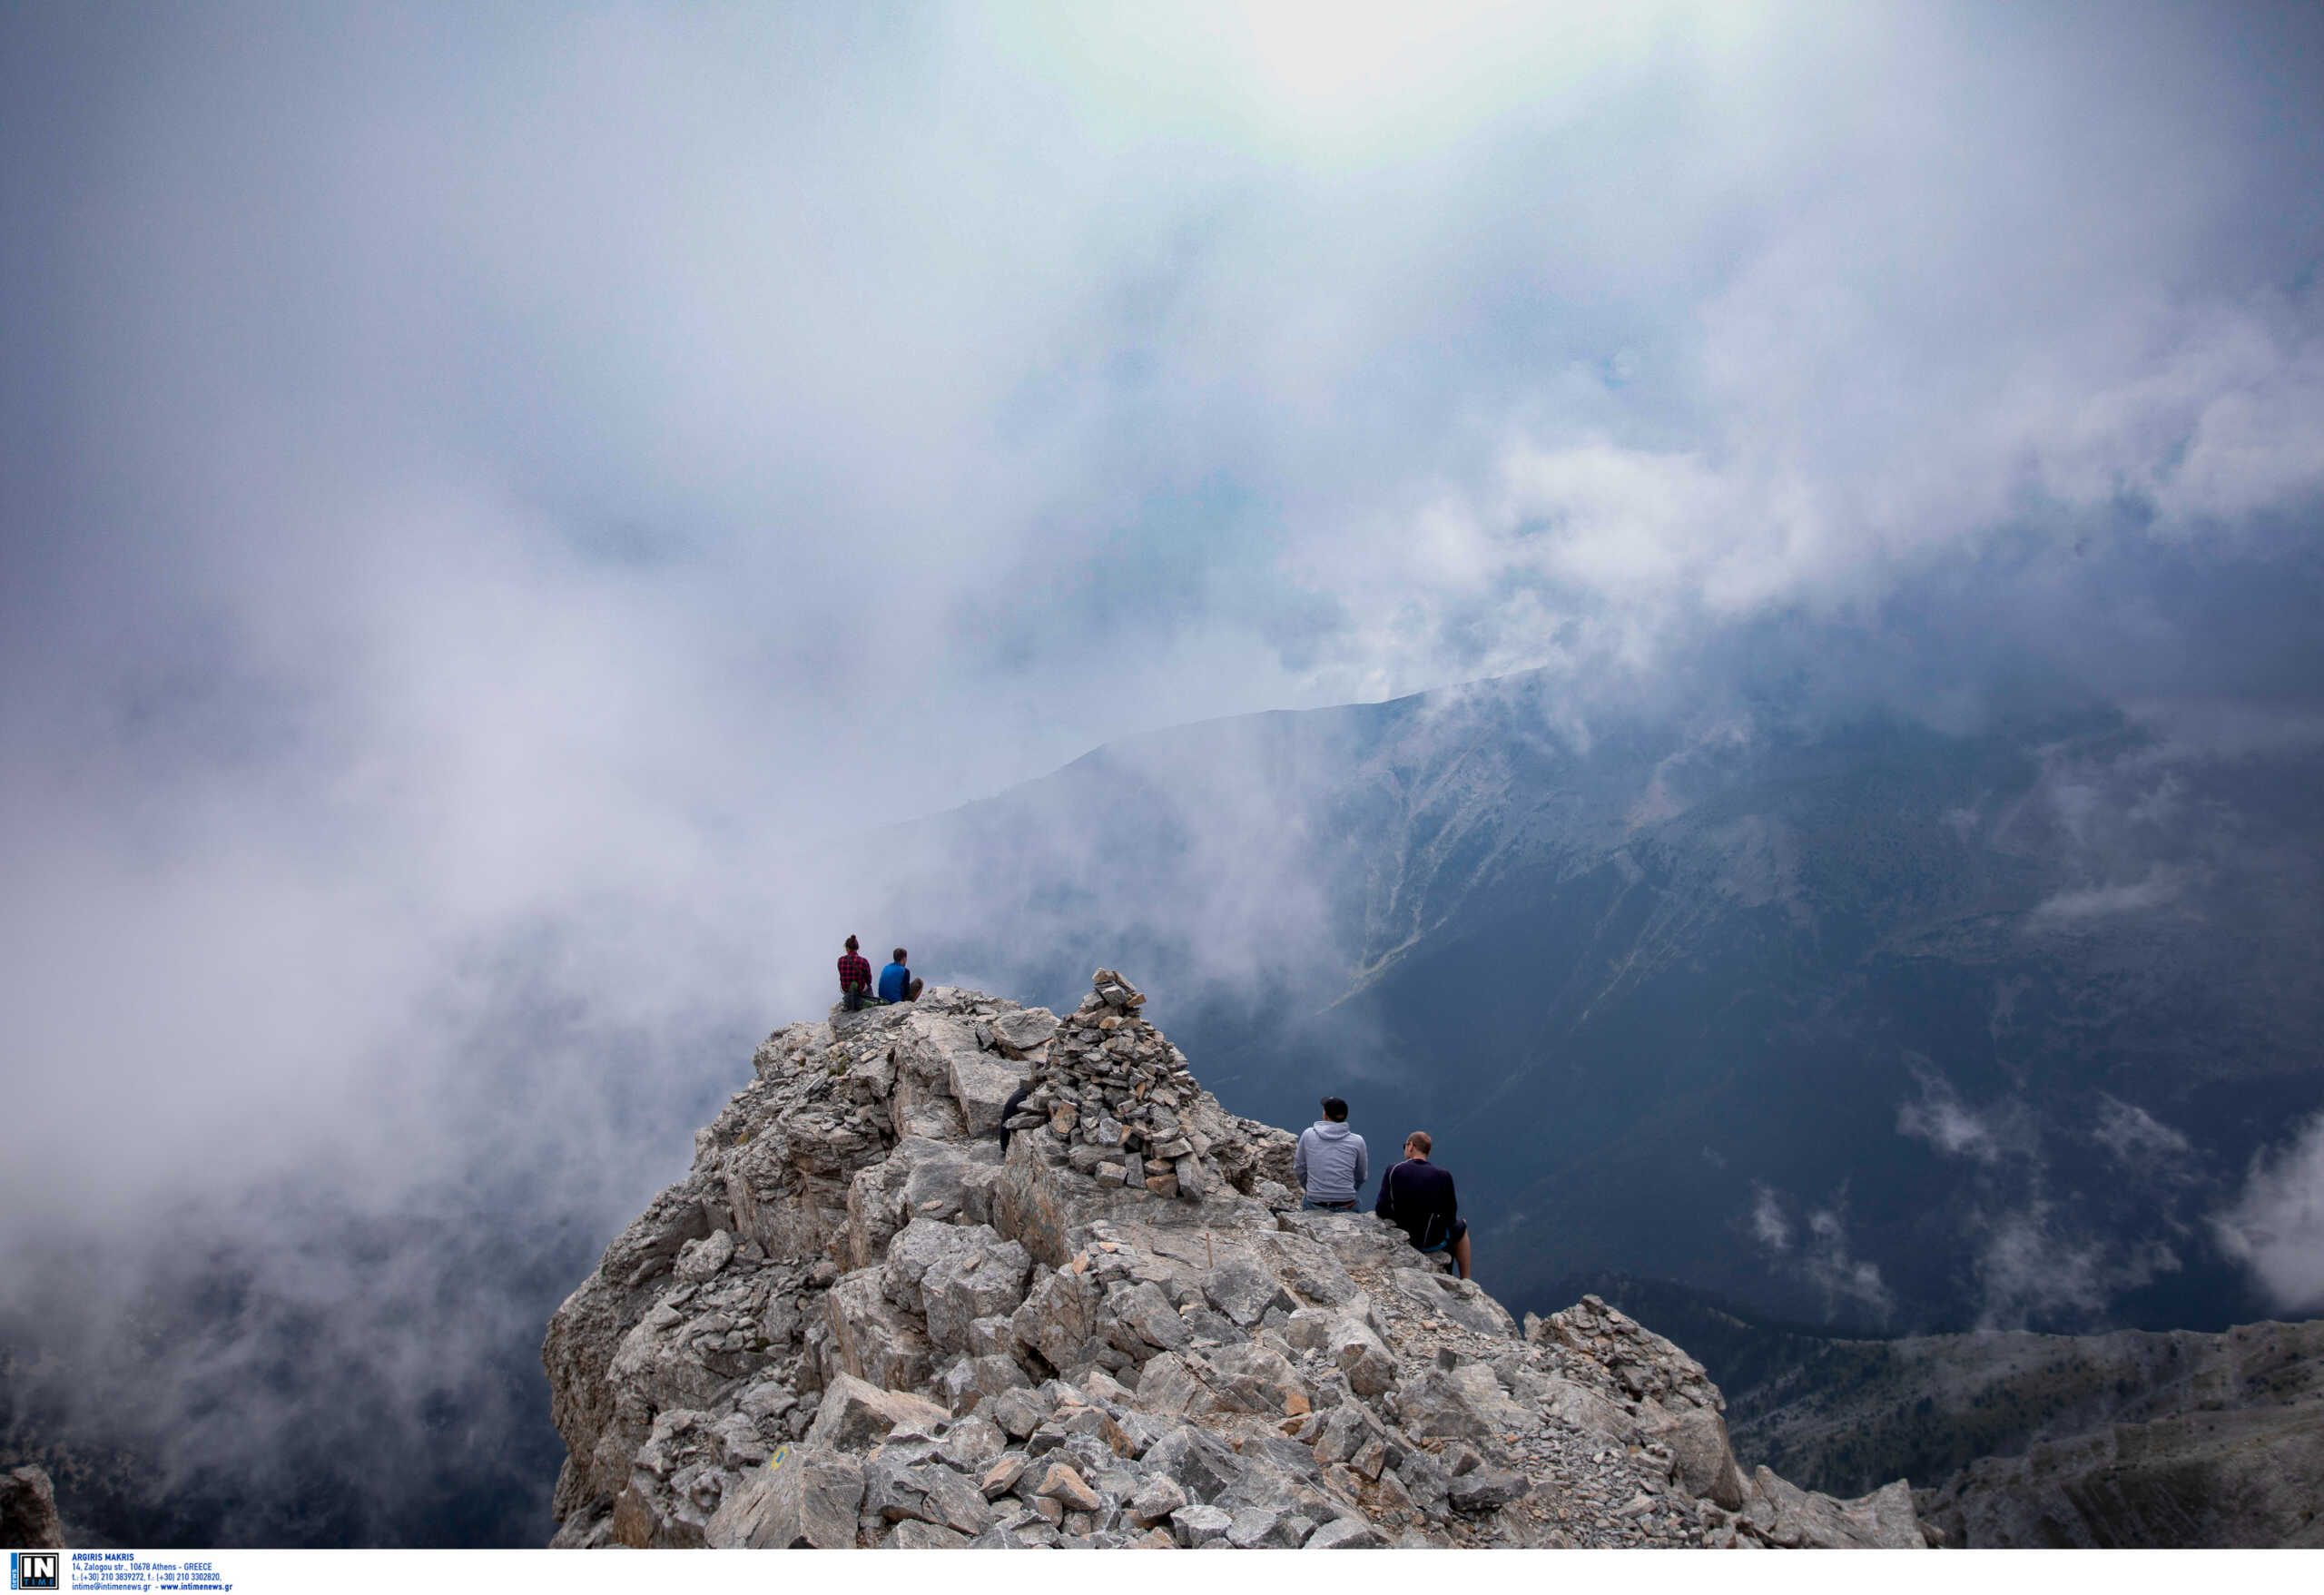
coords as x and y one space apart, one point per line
1459 1228
1306 1203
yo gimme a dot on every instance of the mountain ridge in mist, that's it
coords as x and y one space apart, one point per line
1856 1019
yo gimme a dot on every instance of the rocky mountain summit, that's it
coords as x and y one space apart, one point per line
858 1321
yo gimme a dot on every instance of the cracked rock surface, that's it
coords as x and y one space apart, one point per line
856 1322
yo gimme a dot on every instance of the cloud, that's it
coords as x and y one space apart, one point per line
1940 1117
2160 889
2275 1228
2137 1140
1817 1252
1768 1225
2031 1267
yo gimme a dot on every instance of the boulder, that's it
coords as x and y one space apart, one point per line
805 1497
1140 1320
974 1381
1057 1319
1460 1403
1370 1366
973 1444
898 1486
1346 1534
982 1281
1243 1292
1025 1029
1698 1444
870 1338
1198 1525
856 1415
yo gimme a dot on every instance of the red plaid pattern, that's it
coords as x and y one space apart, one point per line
855 969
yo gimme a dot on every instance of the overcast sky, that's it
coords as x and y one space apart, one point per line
480 488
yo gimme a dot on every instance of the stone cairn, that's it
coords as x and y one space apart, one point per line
1113 1090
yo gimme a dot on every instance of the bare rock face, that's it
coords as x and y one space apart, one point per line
28 1519
855 1322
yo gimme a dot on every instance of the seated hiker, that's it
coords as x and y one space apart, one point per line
1330 1165
855 979
897 983
1416 1196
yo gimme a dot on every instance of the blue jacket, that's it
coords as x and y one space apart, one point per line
893 981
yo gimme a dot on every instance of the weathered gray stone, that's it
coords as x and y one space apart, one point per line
1020 1411
973 1380
1140 1320
699 1260
968 1286
1199 1525
1024 1029
1001 1476
1370 1366
856 1415
1252 1379
1465 1404
1061 1481
1488 1490
1345 1534
1197 1463
805 1497
921 1245
1155 1499
896 1488
1243 1292
1058 1318
870 1338
972 1443
1697 1442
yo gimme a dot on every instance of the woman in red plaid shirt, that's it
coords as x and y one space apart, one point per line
854 978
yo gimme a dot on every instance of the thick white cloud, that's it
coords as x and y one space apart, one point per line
2276 1228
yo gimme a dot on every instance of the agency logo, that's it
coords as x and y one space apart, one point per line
33 1570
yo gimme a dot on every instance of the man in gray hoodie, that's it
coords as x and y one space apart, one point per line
1330 1165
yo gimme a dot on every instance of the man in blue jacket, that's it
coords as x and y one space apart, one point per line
1330 1165
897 983
1416 1196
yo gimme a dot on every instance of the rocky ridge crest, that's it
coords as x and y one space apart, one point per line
856 1322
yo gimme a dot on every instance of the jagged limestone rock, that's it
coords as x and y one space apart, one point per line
854 1323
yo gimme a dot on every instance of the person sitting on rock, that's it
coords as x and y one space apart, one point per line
897 983
1330 1165
1416 1196
855 979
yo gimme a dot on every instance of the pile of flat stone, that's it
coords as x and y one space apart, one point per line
1119 1096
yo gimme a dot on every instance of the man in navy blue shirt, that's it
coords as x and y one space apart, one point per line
1416 1196
896 982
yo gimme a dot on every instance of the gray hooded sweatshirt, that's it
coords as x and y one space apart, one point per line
1330 1164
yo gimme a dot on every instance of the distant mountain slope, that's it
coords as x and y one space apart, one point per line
1856 1021
2127 1439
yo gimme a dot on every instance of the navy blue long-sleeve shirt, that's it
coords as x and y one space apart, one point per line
1416 1196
